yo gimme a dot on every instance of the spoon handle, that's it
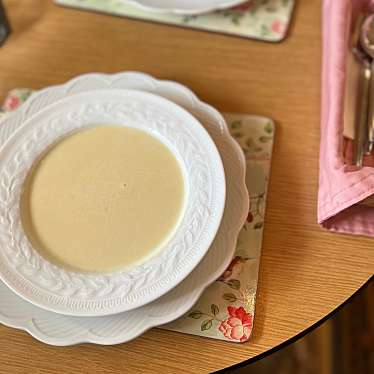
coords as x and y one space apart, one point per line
361 119
370 122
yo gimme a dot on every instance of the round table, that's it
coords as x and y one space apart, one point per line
306 272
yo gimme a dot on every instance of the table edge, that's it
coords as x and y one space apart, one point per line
299 335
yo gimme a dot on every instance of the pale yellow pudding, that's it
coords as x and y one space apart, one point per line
103 199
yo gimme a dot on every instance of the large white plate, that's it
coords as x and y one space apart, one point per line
184 6
63 291
64 330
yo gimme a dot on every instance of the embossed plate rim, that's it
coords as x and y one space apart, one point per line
67 292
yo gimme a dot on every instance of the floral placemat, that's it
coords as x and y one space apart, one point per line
257 19
226 309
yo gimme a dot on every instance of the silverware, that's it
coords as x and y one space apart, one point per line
367 43
361 113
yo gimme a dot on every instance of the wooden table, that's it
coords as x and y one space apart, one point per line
306 272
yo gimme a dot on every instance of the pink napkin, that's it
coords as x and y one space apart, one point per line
341 187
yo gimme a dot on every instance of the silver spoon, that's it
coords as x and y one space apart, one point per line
367 43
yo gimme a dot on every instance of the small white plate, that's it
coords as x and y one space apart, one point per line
184 6
67 292
60 330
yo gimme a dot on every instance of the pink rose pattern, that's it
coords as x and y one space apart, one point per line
11 103
15 99
234 269
278 27
228 271
238 326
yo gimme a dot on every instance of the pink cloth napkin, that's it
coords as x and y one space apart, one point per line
342 187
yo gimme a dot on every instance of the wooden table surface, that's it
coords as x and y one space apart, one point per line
305 273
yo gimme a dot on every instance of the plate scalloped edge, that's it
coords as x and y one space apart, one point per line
179 10
208 116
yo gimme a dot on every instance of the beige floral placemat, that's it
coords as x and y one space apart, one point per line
226 309
257 19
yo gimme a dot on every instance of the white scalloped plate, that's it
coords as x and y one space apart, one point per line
62 330
184 6
67 292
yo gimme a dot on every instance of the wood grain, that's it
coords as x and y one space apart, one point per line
305 272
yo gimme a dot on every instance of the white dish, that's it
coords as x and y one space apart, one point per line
60 290
64 330
184 6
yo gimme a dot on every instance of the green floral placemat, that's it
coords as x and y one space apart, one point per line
226 309
258 19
